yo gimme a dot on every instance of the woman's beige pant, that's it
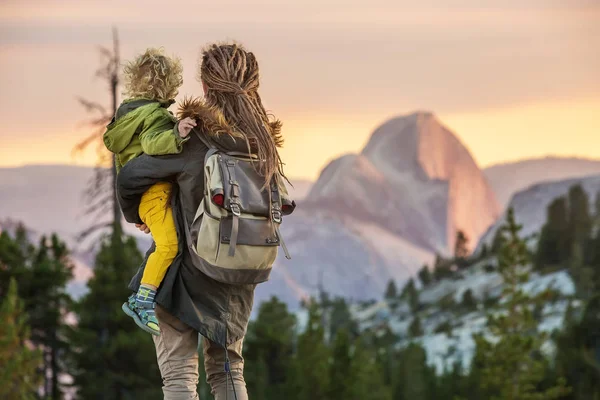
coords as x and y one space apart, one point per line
177 354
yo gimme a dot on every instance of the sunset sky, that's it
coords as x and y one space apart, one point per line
513 79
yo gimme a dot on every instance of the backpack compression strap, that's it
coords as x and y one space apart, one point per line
234 205
276 215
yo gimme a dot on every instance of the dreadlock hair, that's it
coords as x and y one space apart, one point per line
153 75
231 76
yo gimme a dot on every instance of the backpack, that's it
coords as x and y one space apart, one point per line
234 237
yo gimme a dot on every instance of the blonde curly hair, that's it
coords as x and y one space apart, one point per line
153 75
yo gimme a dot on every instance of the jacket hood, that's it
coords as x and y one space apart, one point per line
122 129
212 124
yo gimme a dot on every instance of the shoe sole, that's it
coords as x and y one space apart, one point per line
137 320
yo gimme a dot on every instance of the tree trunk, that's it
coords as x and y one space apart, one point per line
56 395
113 89
47 380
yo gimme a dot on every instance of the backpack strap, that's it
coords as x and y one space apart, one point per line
204 140
234 205
276 215
275 202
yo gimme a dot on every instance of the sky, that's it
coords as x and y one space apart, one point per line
512 79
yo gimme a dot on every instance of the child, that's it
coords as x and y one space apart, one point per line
143 124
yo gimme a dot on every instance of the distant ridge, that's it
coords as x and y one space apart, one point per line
509 178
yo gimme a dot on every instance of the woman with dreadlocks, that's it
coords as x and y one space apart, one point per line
233 118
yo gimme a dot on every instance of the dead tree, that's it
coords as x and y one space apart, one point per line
100 194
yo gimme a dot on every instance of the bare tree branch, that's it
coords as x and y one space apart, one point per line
92 230
91 106
100 194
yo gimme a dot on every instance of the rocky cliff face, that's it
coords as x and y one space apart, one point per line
413 178
384 212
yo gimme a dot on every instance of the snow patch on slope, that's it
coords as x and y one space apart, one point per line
444 350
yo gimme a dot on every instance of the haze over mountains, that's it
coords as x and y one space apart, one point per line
371 216
509 178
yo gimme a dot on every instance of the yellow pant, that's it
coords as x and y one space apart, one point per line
157 214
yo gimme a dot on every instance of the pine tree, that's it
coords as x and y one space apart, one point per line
461 249
366 375
484 251
512 366
441 269
113 358
468 300
354 372
593 250
425 276
391 291
19 378
415 329
452 384
580 232
580 221
12 262
553 245
497 241
341 318
269 349
341 379
43 273
310 366
47 303
578 351
381 343
410 293
413 377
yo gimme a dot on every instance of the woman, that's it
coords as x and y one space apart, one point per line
189 302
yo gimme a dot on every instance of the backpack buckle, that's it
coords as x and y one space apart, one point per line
235 209
276 214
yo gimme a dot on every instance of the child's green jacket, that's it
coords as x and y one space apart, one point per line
142 126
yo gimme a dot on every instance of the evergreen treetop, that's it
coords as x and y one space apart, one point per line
512 366
19 376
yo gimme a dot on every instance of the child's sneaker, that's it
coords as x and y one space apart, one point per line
144 317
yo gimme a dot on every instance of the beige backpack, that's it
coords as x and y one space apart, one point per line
235 236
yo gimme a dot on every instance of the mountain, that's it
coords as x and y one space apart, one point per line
383 213
47 198
343 257
507 179
530 204
414 179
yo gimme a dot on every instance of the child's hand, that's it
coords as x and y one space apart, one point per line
144 228
185 126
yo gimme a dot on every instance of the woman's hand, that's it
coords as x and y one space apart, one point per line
143 228
185 126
